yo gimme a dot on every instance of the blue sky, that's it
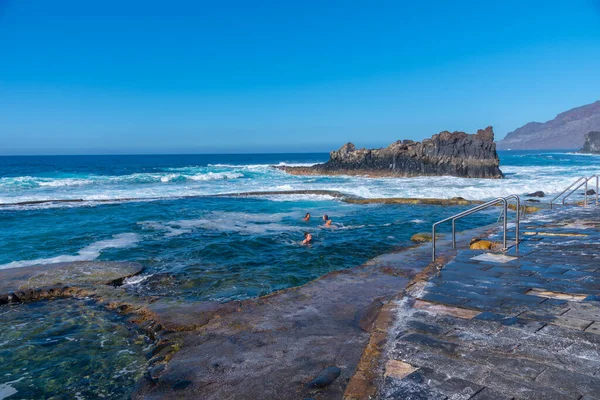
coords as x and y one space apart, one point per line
240 76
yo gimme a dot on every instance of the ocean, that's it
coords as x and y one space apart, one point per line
161 211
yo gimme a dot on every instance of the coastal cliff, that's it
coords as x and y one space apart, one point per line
447 153
591 144
566 131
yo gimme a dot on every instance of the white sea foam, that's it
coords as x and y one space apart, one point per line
298 197
243 223
6 390
231 178
88 253
136 279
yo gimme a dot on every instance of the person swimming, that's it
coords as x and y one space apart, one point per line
306 217
327 220
307 238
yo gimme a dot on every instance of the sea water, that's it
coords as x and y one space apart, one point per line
67 349
159 211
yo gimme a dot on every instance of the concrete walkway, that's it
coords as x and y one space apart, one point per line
521 326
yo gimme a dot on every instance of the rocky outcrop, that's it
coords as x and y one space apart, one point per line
447 153
591 144
564 132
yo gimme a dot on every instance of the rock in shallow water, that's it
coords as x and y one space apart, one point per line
325 378
539 193
423 237
479 244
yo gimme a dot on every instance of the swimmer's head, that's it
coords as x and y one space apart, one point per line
307 215
306 234
325 217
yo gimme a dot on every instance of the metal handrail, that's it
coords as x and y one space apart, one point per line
464 214
518 222
585 202
503 200
597 187
564 191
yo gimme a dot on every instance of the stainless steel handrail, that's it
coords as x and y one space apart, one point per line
597 187
518 222
585 202
453 218
564 191
503 200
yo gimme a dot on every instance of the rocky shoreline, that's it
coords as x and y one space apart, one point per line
448 153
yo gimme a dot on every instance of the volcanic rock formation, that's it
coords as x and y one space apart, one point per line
592 143
447 153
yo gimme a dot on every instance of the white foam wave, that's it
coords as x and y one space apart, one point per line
28 182
239 222
298 197
230 178
88 253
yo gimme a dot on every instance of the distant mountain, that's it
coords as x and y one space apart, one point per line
566 131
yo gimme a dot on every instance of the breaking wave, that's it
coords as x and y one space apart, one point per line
88 253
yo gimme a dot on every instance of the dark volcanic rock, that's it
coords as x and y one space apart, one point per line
539 193
591 144
325 378
566 131
180 385
447 153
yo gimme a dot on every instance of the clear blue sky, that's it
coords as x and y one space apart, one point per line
245 76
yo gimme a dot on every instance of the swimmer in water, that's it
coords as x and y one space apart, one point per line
327 220
306 217
307 238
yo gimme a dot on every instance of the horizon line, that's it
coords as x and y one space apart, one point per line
229 154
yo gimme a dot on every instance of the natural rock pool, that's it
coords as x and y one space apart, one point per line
68 349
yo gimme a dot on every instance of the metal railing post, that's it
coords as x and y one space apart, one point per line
518 222
597 178
433 240
454 234
505 223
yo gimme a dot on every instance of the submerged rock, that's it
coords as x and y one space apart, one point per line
51 280
447 153
180 385
325 378
539 193
423 237
591 144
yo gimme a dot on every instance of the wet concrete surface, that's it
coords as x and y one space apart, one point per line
524 326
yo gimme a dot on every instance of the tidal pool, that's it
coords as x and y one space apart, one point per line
68 349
